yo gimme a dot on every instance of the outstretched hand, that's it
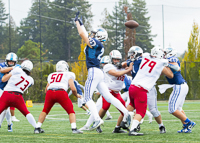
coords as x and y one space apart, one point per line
76 18
80 21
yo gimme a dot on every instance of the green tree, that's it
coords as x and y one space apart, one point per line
143 32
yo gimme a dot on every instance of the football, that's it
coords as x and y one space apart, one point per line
131 24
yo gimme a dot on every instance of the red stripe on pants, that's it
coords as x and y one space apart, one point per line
138 99
60 97
106 105
13 100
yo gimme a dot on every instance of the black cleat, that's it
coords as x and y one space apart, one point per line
38 130
162 129
99 130
123 126
138 128
76 131
118 130
135 133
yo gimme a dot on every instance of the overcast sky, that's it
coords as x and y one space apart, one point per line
179 16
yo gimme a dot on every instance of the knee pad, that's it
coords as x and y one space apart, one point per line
154 112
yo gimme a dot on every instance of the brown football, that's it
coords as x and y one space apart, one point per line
131 24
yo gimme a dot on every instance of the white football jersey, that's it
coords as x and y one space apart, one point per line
19 81
149 71
113 82
59 80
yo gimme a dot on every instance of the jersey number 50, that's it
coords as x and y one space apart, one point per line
56 77
151 64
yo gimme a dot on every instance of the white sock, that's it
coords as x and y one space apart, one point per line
8 116
124 119
2 116
117 126
89 121
134 124
38 125
31 120
87 111
73 125
93 109
119 105
160 124
148 113
108 113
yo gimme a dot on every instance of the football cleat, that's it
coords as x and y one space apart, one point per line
75 131
14 119
108 117
89 113
184 130
190 125
10 128
162 129
84 128
38 130
99 130
138 128
123 125
118 130
135 133
96 124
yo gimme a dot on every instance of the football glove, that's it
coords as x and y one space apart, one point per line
80 21
76 18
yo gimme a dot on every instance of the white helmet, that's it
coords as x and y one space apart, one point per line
136 51
11 57
115 54
62 66
157 52
100 34
169 52
27 65
105 60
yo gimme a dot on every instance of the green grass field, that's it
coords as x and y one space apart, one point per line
57 127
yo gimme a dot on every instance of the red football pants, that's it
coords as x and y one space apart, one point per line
106 105
13 99
138 99
60 97
12 108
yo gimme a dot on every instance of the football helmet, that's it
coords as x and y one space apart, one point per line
27 65
169 52
62 66
100 34
105 60
157 52
115 54
135 51
11 57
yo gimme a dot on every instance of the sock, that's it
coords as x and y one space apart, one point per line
134 124
87 111
108 113
160 124
73 125
148 113
187 121
2 116
117 126
93 109
8 116
89 121
31 120
38 125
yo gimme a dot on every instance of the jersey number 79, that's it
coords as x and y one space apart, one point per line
151 64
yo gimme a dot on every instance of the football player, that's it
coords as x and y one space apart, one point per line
94 51
81 103
56 92
19 80
6 67
178 95
151 67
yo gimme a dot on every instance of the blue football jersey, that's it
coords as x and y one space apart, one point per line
127 82
178 78
2 84
94 54
136 66
78 88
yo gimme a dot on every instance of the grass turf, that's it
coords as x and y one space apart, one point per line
58 129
